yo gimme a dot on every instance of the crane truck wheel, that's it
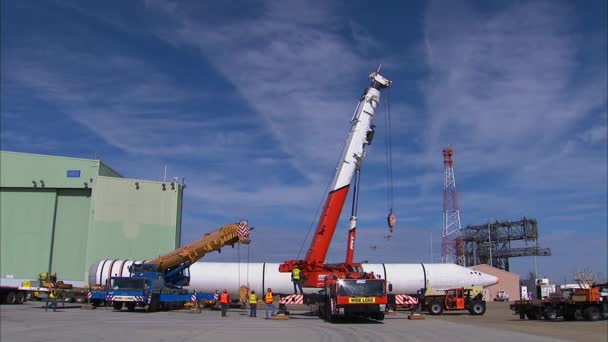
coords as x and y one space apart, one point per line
478 309
131 307
592 313
117 305
153 306
436 308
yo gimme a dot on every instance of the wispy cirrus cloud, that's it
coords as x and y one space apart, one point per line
290 63
250 103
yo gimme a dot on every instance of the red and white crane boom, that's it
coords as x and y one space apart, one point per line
360 136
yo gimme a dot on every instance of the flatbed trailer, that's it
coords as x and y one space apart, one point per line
569 310
68 295
589 303
12 295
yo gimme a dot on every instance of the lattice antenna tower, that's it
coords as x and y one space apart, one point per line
451 237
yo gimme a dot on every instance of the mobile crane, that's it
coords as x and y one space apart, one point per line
346 289
159 283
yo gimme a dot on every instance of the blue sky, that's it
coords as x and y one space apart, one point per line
250 102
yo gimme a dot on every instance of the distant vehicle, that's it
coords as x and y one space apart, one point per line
501 296
40 289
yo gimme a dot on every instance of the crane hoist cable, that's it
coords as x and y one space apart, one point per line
248 265
391 218
238 257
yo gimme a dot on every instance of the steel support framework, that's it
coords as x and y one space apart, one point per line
494 243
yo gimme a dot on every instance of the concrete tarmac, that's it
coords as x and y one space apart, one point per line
30 322
499 316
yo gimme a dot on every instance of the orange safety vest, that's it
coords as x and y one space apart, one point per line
224 298
269 298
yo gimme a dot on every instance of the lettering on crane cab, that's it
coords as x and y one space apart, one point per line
358 300
361 281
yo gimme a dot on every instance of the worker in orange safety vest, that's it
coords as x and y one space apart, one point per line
224 302
269 301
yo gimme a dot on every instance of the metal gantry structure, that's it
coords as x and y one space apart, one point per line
452 247
494 243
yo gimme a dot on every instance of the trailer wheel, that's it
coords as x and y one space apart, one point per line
550 314
11 298
592 313
531 315
436 308
569 316
20 298
478 309
117 305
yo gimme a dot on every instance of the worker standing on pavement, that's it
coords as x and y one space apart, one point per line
253 304
296 278
216 299
269 301
224 302
52 299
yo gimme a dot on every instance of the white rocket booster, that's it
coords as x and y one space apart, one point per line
207 277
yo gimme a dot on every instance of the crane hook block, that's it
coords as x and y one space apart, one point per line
392 221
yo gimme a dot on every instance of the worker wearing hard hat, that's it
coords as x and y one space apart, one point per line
253 304
296 278
269 301
224 302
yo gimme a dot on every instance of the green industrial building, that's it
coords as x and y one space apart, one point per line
62 215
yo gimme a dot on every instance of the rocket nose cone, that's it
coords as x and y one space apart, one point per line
489 280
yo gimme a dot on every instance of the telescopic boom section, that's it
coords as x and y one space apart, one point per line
361 134
210 242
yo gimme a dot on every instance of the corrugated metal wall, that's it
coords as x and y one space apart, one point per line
70 235
26 221
64 225
133 221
